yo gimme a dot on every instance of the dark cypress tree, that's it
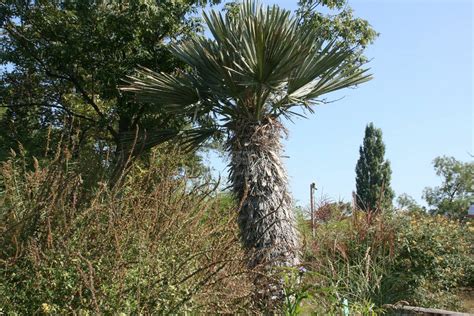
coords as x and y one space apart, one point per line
373 173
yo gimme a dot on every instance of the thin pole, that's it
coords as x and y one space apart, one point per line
311 198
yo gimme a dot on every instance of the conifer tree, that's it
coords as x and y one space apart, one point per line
373 173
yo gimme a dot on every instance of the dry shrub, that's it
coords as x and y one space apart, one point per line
160 243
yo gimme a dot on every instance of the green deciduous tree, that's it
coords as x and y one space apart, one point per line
406 202
373 173
259 66
456 192
62 61
337 22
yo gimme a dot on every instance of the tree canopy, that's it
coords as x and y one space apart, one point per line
456 192
62 63
337 22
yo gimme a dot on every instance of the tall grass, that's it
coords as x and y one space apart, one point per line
374 261
350 257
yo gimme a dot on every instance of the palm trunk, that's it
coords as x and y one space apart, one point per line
260 184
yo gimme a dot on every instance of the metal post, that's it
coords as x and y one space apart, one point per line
312 187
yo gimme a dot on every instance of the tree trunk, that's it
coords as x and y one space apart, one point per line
126 148
260 184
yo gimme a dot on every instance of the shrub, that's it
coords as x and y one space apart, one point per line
433 259
158 244
397 257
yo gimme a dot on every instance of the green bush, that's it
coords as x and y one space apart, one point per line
161 243
433 257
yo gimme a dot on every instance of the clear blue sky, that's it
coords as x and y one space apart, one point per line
421 98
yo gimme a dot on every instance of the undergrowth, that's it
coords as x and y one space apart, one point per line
165 241
371 262
160 243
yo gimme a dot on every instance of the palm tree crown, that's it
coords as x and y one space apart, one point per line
259 63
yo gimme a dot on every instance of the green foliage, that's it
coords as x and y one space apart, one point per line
160 243
294 291
373 173
456 192
433 259
308 292
63 61
338 24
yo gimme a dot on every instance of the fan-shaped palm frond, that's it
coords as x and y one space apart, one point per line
258 63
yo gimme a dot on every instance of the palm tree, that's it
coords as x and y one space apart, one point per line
258 67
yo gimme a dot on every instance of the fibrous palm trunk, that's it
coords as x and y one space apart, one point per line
260 184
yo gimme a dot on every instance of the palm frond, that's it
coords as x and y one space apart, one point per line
162 89
259 62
